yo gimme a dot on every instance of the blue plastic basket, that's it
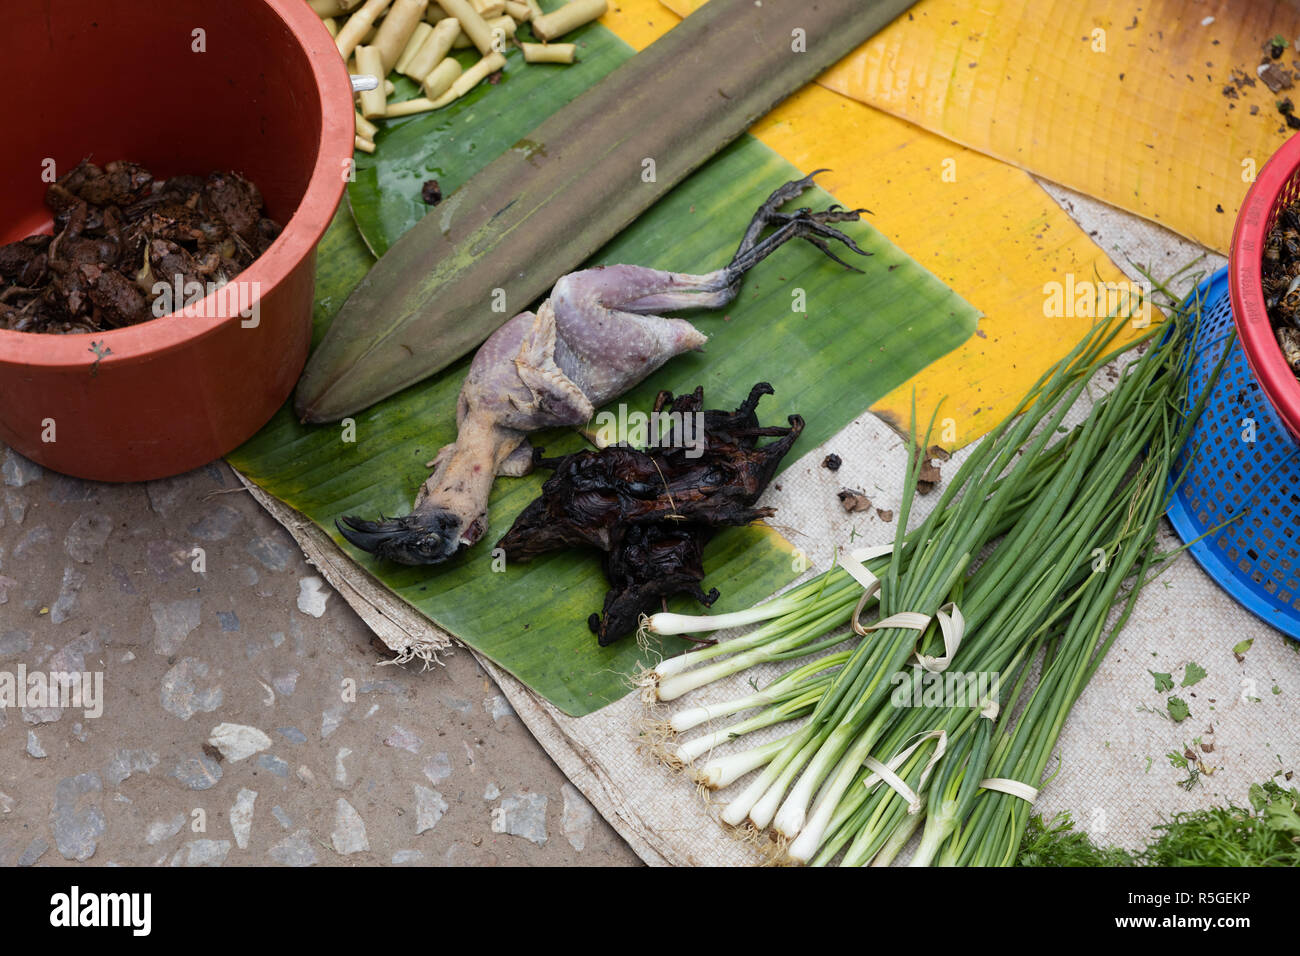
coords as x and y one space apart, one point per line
1256 558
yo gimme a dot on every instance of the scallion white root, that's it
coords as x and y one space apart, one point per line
724 771
809 840
739 808
789 709
791 684
939 824
690 751
666 622
762 648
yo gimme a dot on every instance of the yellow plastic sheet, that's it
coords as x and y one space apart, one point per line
983 227
1123 101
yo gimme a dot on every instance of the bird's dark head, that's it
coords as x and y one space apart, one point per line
427 537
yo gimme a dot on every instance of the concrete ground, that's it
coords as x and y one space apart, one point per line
327 759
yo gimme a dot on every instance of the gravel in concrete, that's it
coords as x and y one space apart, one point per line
245 717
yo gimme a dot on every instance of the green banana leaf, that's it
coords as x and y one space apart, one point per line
856 337
452 144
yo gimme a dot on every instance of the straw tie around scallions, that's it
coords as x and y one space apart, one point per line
1028 544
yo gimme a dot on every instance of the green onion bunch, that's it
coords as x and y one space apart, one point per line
1042 531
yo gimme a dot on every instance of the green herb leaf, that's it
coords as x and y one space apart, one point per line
1242 647
1164 682
1178 709
1192 674
1258 797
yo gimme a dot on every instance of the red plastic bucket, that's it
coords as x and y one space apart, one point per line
186 86
1276 186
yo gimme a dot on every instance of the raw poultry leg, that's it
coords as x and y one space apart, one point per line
597 335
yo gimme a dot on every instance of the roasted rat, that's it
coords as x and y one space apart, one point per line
651 511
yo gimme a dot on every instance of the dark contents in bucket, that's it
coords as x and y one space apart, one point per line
1281 281
125 243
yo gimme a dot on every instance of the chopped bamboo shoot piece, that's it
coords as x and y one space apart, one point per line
441 77
471 78
396 30
434 13
521 12
333 8
477 73
359 24
365 128
435 49
487 9
548 52
389 88
363 144
422 32
373 102
503 30
331 25
568 18
536 8
471 23
420 104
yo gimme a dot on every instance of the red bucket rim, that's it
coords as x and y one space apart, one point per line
301 235
1245 282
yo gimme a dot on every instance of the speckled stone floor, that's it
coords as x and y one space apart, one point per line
201 616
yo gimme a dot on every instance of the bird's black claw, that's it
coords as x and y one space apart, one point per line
428 537
804 223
